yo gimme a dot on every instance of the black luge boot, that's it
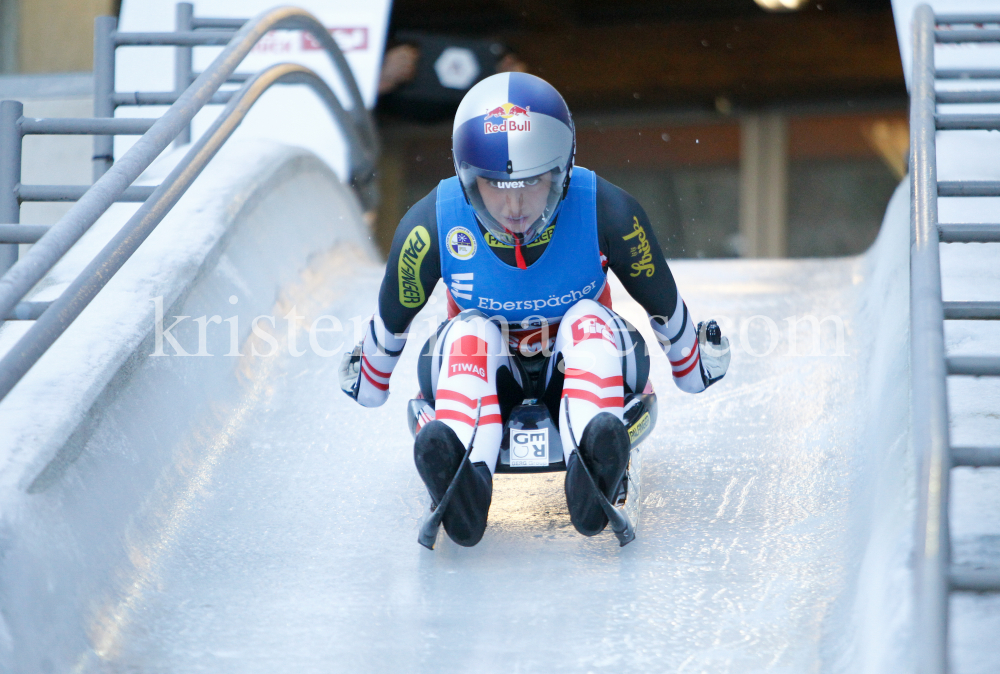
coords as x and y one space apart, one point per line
438 453
604 446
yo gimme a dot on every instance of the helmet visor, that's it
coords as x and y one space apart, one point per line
513 210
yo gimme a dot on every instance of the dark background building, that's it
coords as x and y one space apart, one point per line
742 131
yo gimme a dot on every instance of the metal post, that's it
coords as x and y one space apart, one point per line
10 175
929 402
104 89
182 63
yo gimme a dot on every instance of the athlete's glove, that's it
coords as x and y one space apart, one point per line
715 353
350 372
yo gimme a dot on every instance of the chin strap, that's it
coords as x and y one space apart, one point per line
518 256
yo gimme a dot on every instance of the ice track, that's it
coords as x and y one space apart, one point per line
297 552
279 534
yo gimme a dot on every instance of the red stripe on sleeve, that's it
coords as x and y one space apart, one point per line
378 372
685 359
689 367
605 297
377 384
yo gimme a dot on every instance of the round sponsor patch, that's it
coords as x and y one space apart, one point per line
461 243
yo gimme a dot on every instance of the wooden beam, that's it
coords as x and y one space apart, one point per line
837 136
748 60
658 146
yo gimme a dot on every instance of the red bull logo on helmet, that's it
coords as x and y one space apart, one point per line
507 116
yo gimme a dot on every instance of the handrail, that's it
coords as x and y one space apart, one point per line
113 184
928 398
61 312
935 574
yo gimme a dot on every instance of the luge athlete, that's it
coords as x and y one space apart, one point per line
523 241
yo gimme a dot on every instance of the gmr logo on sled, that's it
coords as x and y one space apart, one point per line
529 448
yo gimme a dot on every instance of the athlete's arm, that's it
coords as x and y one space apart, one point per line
412 270
634 254
413 267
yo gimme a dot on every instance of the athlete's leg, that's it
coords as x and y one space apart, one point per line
464 363
597 358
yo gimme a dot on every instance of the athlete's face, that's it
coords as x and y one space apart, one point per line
516 204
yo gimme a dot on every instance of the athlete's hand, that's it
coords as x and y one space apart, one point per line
715 352
350 372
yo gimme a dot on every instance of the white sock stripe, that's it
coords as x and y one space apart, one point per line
689 340
371 347
587 410
380 362
375 364
455 406
389 341
683 362
456 424
604 395
374 375
691 382
678 321
596 389
659 330
675 323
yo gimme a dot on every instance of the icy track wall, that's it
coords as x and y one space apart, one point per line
262 223
878 636
108 457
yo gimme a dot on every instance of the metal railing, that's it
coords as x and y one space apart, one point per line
935 575
113 180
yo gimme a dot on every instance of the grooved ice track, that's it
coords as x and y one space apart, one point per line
289 542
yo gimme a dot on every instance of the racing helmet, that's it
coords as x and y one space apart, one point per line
514 132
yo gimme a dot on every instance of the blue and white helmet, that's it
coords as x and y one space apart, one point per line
512 127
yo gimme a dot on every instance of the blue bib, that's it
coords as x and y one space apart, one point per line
568 271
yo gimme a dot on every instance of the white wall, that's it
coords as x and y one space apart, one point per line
293 115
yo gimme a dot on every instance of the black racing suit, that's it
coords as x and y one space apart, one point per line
627 245
641 268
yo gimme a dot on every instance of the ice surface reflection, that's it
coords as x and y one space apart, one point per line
299 551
